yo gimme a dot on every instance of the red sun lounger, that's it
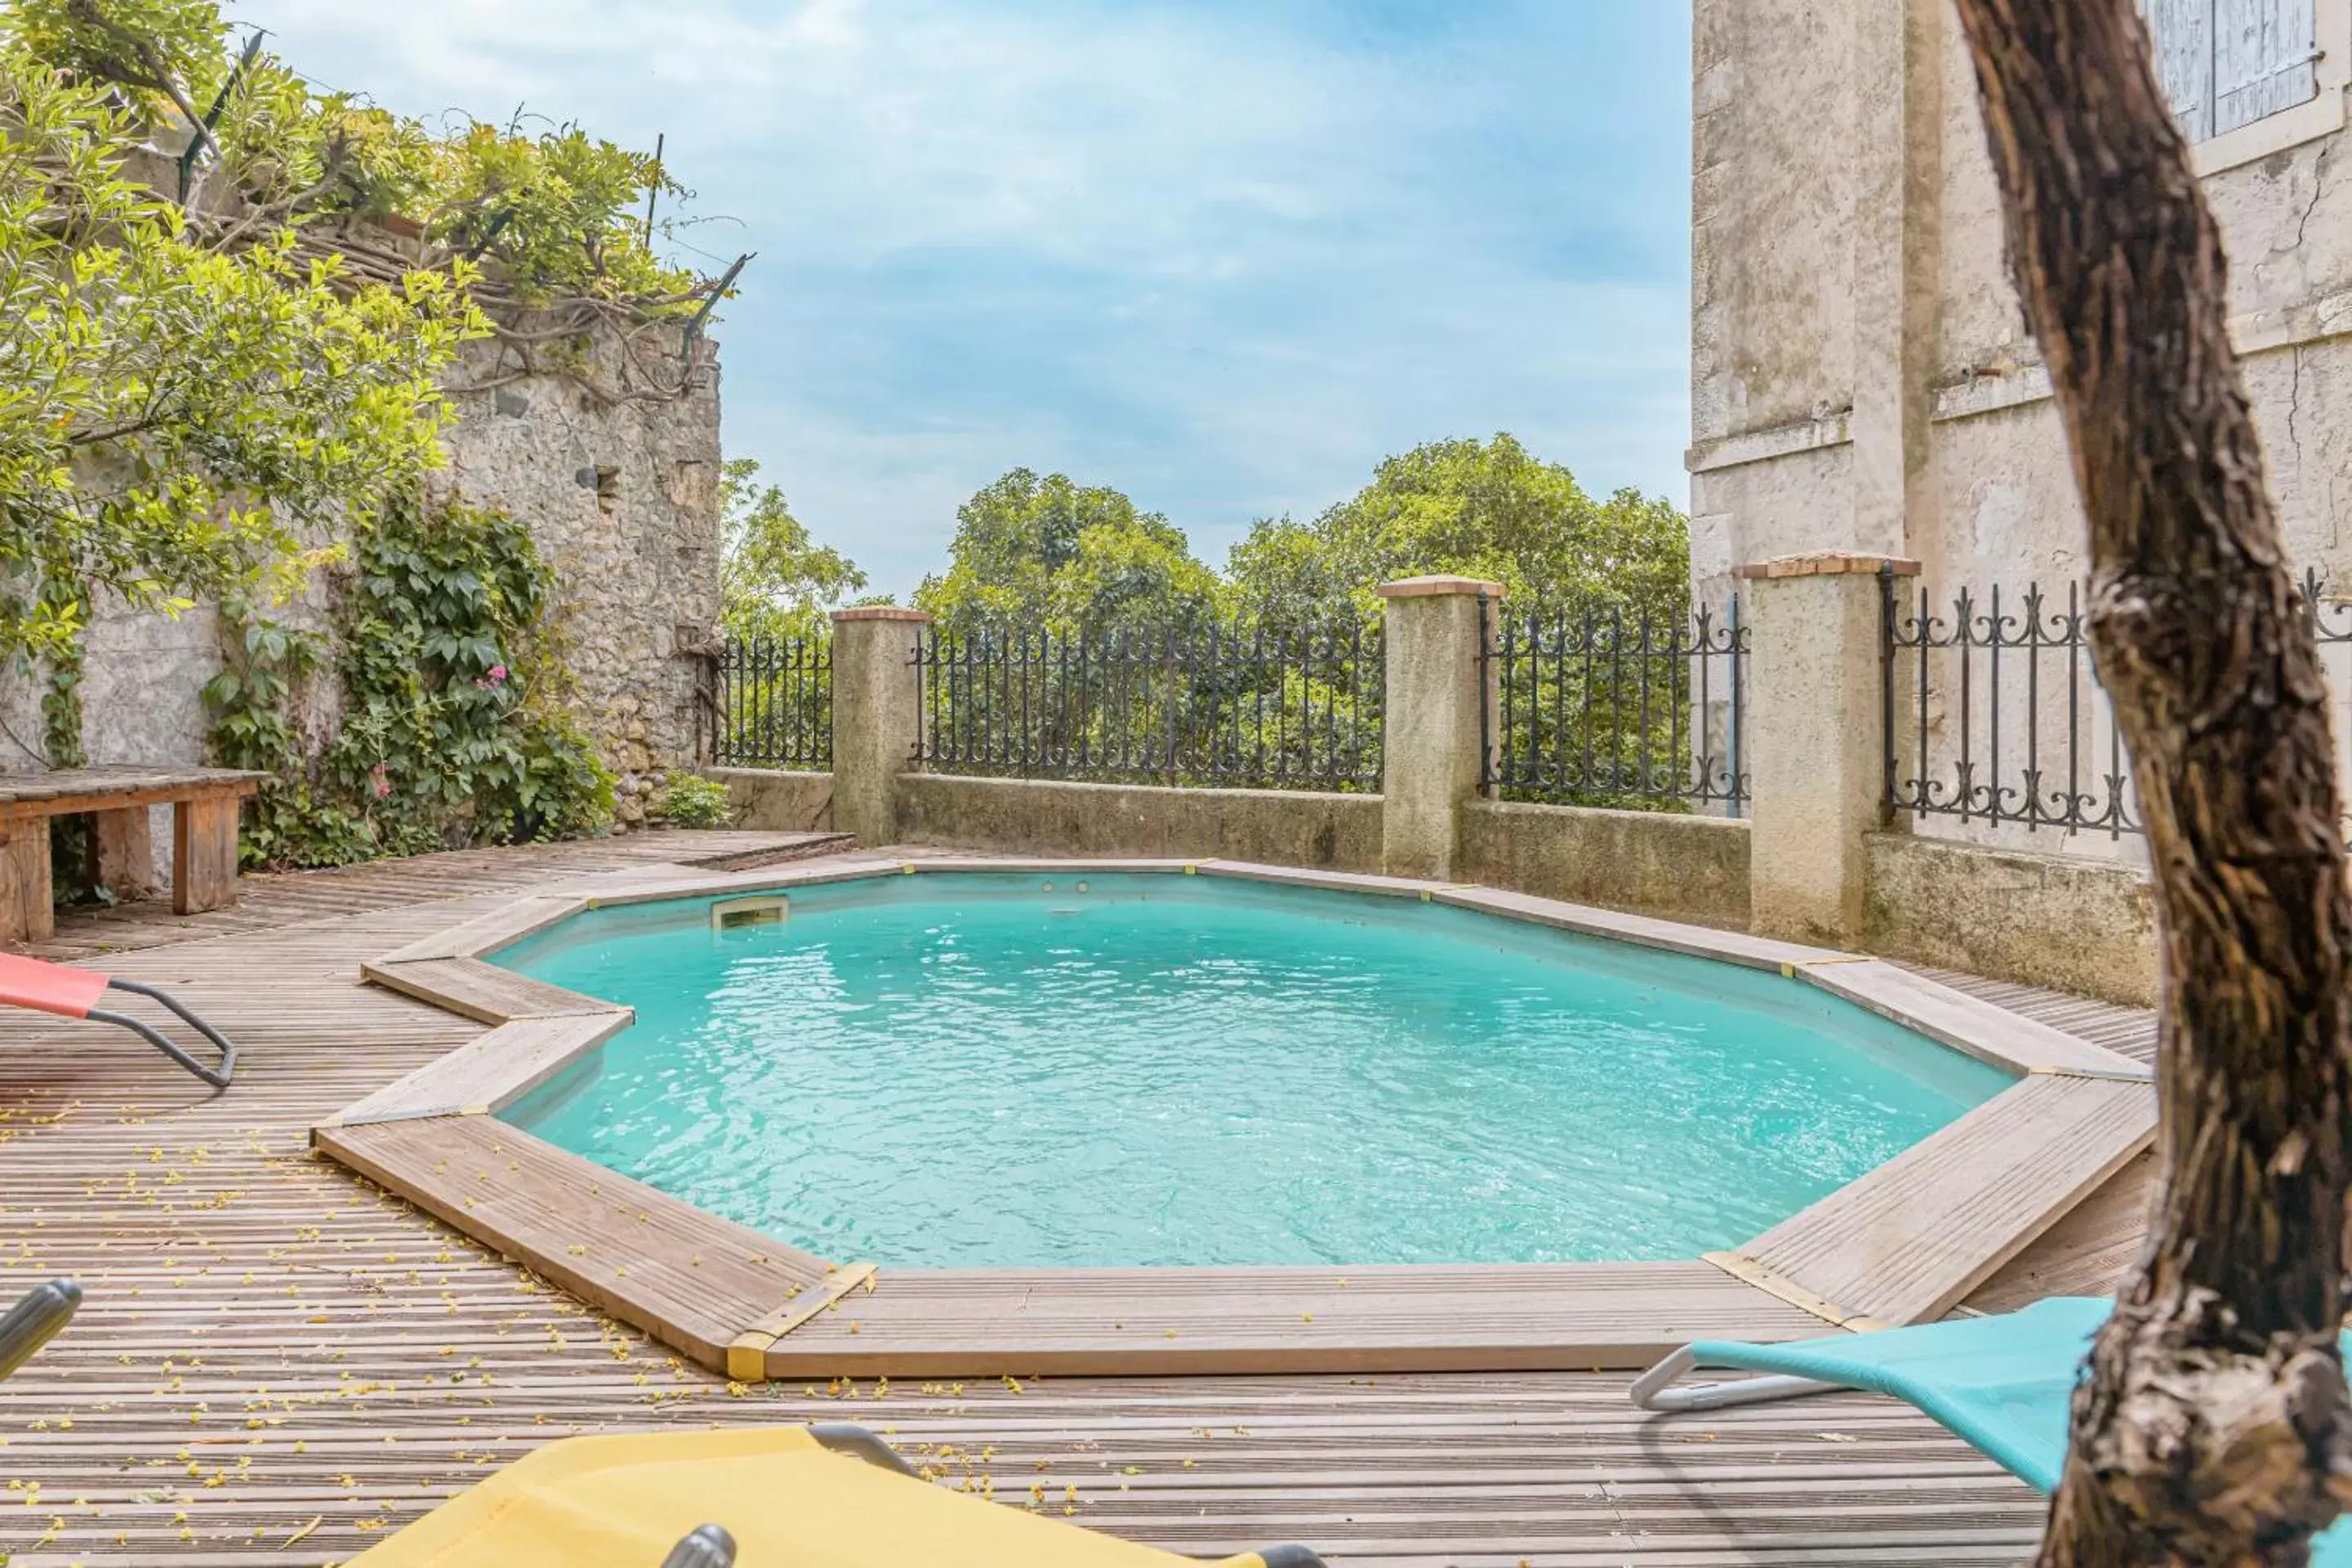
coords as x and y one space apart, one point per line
74 993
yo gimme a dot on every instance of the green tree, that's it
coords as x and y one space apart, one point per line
552 216
1080 634
1477 509
1615 728
171 412
188 393
773 579
557 213
1050 553
157 52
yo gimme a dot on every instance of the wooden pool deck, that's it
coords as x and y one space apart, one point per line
279 1364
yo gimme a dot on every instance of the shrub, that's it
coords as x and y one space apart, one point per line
691 801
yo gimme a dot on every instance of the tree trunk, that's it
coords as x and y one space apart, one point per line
2212 1427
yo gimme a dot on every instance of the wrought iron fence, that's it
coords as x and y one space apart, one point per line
2006 721
1993 713
1592 709
1254 707
772 703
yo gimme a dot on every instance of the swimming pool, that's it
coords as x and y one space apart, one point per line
998 1070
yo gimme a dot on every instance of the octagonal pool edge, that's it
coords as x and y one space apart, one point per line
1903 1241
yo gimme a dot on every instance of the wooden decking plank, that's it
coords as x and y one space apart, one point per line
621 890
1141 1321
693 1280
2085 1254
287 898
482 991
1912 1239
2130 1031
323 1352
1669 936
489 932
490 1073
1964 1022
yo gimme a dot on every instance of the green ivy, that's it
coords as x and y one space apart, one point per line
451 733
62 664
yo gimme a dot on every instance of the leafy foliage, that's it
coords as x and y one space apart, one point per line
169 411
287 149
550 215
556 213
1487 509
1072 587
689 800
158 51
1142 640
773 580
451 733
1050 553
181 394
188 390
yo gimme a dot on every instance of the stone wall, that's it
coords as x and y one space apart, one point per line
777 802
1282 827
2046 920
622 496
1657 863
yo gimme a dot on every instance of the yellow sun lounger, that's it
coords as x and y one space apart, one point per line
782 1498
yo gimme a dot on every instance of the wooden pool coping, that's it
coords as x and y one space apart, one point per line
1904 1243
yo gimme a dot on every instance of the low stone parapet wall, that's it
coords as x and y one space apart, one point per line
2080 925
1672 864
1283 828
2073 924
777 802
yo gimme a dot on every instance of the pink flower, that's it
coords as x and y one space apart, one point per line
378 781
498 675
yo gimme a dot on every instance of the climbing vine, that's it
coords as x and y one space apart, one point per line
451 731
208 371
68 605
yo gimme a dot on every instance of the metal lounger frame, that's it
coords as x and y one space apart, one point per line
217 1077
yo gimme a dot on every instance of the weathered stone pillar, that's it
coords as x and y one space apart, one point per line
1901 49
1816 746
1438 694
876 716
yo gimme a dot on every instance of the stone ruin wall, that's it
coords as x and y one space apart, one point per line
622 498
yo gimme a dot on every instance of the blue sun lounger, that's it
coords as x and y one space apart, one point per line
2003 1384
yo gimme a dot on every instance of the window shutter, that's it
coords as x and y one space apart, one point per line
2183 31
2265 59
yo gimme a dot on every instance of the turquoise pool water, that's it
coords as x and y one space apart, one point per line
975 1070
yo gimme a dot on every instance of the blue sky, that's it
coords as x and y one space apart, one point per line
1221 255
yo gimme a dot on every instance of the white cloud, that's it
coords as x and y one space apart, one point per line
1205 252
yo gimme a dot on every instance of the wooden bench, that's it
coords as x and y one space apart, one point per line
203 803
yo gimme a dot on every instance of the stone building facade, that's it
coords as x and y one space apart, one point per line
1862 376
614 466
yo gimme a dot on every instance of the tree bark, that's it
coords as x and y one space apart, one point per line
2211 1427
